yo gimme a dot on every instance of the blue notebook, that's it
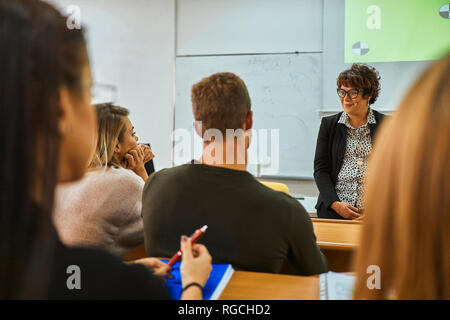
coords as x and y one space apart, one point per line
218 279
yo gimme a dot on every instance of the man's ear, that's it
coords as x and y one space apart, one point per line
65 112
248 123
198 128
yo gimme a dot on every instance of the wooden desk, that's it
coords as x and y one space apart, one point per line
338 240
245 285
337 234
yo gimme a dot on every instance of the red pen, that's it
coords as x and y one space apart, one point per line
194 238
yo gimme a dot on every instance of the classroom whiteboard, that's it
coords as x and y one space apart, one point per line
285 90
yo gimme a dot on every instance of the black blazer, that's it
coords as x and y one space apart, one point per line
330 150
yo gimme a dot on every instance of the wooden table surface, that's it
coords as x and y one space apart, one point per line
337 234
245 285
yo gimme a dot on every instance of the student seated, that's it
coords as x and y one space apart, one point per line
250 226
407 207
104 208
45 82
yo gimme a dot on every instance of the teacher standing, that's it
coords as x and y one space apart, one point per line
344 143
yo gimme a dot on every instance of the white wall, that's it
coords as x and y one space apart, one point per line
248 26
132 46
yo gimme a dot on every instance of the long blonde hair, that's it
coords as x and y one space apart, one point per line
407 220
112 122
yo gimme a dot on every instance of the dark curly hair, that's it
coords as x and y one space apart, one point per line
364 77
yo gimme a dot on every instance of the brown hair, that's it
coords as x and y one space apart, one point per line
221 101
360 76
111 127
407 218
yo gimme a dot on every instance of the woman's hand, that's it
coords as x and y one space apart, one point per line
134 160
148 154
158 267
345 210
195 267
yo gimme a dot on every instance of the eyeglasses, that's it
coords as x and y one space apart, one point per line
353 93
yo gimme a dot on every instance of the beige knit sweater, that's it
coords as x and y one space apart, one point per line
101 210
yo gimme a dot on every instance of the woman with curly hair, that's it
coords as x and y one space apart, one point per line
344 144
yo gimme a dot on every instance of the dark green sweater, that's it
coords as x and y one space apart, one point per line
250 226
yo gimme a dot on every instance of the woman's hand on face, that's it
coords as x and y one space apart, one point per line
134 159
148 154
156 266
196 263
345 210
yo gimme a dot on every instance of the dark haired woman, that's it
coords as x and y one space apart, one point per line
47 135
344 143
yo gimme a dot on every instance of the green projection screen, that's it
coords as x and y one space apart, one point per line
396 30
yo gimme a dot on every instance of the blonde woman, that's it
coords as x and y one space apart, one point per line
117 142
104 208
407 209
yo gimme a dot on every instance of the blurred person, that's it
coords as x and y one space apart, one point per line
47 134
407 205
